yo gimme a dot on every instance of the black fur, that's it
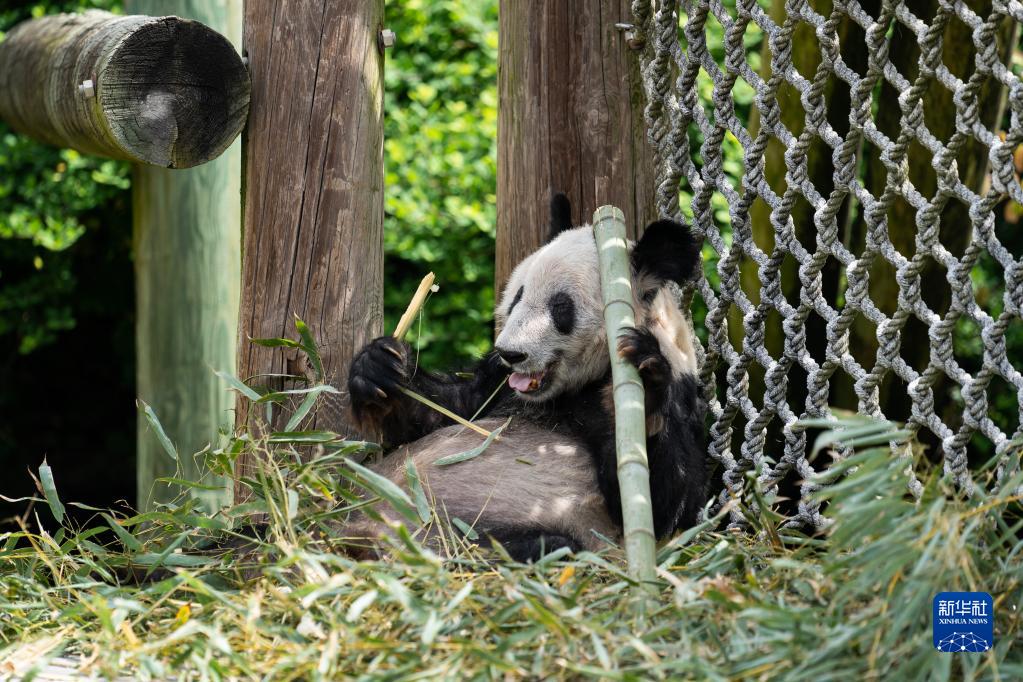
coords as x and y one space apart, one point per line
562 310
529 544
678 475
668 251
640 347
384 364
561 215
676 453
515 301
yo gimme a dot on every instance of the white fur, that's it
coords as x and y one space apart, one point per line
567 264
673 331
529 476
558 490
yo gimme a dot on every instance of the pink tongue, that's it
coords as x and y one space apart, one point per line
520 382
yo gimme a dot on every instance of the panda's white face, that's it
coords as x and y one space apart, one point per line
551 317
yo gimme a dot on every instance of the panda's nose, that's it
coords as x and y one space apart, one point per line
511 357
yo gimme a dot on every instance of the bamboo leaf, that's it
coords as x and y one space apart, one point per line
303 437
157 427
846 430
50 492
360 605
384 488
466 529
307 404
238 385
416 487
187 484
276 343
309 346
129 540
474 452
153 560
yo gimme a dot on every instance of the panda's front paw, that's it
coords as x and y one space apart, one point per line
376 373
641 349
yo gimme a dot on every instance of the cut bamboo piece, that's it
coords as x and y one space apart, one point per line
630 409
404 324
418 299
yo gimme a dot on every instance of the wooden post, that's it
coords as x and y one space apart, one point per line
570 119
313 192
169 92
187 277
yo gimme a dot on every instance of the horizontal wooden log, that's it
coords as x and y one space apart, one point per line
159 90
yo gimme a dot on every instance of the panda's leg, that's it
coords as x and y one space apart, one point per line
675 439
385 365
530 544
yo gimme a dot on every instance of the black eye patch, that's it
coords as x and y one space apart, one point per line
515 301
562 310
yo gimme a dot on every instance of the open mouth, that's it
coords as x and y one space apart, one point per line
532 382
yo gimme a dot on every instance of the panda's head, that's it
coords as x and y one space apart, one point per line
552 313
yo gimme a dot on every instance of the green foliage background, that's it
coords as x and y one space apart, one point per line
48 199
441 140
440 154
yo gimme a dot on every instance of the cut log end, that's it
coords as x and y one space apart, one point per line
175 93
159 90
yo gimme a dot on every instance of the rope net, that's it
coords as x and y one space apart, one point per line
846 162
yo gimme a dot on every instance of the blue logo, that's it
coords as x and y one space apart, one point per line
963 621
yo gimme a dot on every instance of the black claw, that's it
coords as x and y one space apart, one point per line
641 349
377 370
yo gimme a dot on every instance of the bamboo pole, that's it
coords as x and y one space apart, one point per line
165 91
630 409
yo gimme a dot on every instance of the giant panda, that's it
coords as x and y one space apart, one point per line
550 480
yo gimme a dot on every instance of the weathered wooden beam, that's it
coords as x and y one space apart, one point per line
570 119
313 183
187 280
165 91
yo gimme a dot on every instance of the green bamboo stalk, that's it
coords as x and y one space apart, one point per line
630 409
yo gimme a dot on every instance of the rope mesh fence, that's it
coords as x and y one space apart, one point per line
791 286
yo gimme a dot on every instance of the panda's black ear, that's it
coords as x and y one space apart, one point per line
667 251
561 215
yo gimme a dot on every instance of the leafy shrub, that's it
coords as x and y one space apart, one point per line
48 198
440 127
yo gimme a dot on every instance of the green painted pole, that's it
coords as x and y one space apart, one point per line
187 274
630 410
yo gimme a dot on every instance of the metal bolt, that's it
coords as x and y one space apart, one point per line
87 89
631 40
387 38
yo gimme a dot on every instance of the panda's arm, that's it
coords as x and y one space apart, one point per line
675 440
378 405
675 453
677 457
